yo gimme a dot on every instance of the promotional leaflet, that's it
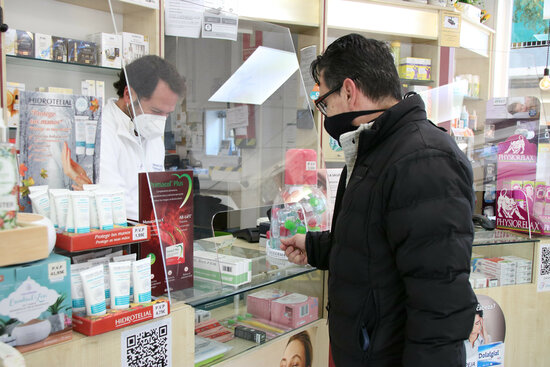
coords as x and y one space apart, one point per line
59 141
172 195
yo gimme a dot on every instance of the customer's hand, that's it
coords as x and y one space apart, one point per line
295 249
72 169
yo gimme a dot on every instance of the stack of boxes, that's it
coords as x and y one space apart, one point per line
230 270
500 271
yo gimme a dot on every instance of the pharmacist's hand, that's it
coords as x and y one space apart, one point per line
295 249
73 170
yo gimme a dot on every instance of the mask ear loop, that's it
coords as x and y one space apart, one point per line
142 153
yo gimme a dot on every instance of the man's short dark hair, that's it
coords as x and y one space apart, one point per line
368 62
144 74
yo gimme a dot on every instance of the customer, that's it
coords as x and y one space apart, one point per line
399 251
155 88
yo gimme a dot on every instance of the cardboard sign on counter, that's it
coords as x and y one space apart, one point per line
74 242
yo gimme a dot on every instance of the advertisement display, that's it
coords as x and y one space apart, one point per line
59 141
173 207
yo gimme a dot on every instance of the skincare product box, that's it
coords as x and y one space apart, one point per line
134 46
10 41
171 193
95 239
415 68
59 49
14 102
116 319
294 310
230 270
42 46
24 44
259 303
109 49
35 303
81 52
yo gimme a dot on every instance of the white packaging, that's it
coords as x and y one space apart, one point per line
38 188
104 209
230 270
77 291
119 273
109 49
61 204
141 278
81 210
10 39
129 257
91 128
119 208
104 261
111 257
80 134
40 203
93 283
134 46
77 259
42 46
100 90
13 102
69 220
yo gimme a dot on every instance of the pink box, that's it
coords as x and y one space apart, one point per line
294 310
259 303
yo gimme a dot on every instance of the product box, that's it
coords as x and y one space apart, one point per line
42 46
230 270
109 49
10 40
97 238
88 88
415 68
174 206
81 52
294 310
116 319
59 49
35 306
24 44
259 303
134 46
100 90
14 102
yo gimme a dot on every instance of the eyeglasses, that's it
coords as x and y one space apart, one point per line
320 102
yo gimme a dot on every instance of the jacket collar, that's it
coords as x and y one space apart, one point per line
409 109
124 125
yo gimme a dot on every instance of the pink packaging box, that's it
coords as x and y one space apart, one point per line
294 310
259 303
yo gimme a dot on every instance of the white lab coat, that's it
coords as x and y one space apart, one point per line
121 156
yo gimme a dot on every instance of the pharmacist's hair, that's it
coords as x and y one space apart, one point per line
367 61
144 74
303 338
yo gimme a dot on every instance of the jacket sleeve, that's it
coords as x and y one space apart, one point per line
318 249
429 208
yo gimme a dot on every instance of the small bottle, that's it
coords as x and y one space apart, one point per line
463 121
396 52
472 121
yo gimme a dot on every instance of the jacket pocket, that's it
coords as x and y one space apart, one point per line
369 325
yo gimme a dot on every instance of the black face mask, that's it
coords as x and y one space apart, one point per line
342 123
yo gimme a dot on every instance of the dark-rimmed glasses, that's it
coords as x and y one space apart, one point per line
320 102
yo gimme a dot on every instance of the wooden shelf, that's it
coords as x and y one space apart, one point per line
119 6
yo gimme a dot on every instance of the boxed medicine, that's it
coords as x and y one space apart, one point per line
81 52
42 46
415 68
35 306
109 49
59 49
134 46
13 102
10 40
294 310
230 270
259 303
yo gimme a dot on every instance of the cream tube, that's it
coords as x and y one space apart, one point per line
80 134
131 258
141 276
37 188
91 127
119 273
94 221
80 201
77 259
113 255
90 187
107 284
53 211
104 209
61 203
69 221
40 203
77 292
93 283
119 208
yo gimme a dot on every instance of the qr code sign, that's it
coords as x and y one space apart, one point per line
545 261
139 233
149 345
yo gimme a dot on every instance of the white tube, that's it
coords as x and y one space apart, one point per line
90 255
141 276
37 188
131 258
93 283
104 209
119 208
94 221
61 203
80 134
90 187
107 284
81 211
91 126
40 203
77 292
53 211
113 255
119 273
69 221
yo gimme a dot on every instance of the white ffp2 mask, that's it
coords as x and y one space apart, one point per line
150 126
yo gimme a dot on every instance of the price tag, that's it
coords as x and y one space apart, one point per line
139 233
160 309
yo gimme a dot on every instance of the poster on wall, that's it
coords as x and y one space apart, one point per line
59 141
485 345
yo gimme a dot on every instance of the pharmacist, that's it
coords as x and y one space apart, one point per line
133 125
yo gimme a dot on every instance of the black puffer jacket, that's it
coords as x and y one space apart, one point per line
400 247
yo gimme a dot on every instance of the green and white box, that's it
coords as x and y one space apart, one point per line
230 270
